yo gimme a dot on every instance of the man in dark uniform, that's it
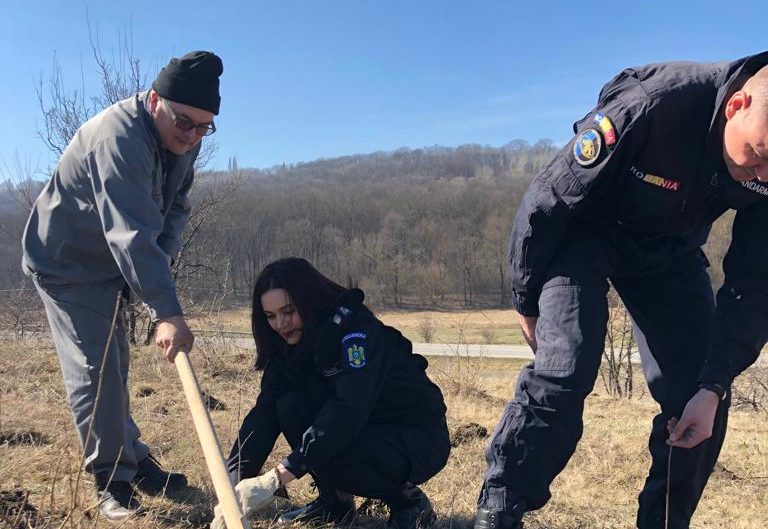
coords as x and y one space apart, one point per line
668 149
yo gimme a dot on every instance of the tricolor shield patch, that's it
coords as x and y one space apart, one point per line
606 125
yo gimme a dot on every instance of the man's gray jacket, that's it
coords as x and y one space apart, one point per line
116 205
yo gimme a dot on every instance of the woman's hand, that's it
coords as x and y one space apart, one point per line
253 494
284 475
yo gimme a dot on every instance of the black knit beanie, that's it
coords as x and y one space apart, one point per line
192 80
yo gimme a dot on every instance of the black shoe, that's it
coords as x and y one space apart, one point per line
117 499
151 479
411 509
338 508
491 519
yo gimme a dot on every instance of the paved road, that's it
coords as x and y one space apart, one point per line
445 349
472 350
487 351
506 351
426 349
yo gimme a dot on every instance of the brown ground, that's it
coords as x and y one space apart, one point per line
39 457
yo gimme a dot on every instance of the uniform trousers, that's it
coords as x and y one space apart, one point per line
375 464
669 297
378 461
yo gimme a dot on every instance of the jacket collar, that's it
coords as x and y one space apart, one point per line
730 79
142 103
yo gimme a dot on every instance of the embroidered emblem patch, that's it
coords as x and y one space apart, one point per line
356 355
586 148
354 344
606 125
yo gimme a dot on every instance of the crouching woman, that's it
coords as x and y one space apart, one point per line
351 398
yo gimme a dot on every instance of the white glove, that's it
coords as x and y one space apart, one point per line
253 494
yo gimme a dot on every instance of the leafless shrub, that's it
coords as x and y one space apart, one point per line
461 375
65 110
488 334
750 390
21 311
427 329
617 370
21 185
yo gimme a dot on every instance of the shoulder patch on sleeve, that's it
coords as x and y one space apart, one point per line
586 147
354 346
606 125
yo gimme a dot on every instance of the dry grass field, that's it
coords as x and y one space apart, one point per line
492 326
39 457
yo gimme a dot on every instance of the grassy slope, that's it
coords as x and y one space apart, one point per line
597 489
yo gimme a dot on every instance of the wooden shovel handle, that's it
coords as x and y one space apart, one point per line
214 459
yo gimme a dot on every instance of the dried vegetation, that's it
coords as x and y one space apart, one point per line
39 455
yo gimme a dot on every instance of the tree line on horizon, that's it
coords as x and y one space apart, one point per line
423 227
412 227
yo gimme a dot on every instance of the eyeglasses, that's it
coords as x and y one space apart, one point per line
186 124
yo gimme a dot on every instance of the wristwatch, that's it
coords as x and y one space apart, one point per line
715 388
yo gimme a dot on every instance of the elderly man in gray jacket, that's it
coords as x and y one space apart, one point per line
110 219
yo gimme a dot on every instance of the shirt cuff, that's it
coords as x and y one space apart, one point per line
525 305
295 464
715 372
164 309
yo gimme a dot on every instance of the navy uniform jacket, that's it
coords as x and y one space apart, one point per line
647 161
372 378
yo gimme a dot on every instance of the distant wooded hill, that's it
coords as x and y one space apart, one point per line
412 227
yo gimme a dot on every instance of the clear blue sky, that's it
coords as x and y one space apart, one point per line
315 78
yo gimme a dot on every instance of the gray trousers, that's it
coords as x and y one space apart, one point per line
80 317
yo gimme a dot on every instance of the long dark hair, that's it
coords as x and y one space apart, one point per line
310 292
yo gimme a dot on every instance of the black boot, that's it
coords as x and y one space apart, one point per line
492 519
330 507
117 499
151 479
410 509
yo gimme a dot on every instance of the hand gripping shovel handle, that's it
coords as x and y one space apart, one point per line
225 492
